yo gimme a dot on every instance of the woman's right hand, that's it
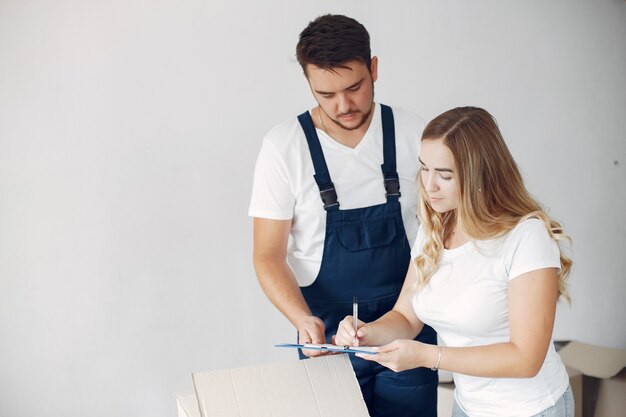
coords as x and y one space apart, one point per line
347 335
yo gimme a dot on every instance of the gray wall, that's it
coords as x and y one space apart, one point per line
128 135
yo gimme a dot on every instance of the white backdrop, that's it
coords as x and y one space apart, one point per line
128 135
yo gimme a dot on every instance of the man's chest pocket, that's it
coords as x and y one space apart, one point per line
360 236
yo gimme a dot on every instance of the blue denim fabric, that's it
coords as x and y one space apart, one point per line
564 407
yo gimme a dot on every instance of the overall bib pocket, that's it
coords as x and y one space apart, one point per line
360 236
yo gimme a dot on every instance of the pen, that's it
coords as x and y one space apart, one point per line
355 317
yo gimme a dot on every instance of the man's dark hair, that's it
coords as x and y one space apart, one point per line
332 40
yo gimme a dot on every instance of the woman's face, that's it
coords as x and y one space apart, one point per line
438 175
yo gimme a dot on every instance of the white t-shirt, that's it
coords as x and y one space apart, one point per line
284 187
465 301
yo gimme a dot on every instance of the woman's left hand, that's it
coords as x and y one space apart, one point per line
401 355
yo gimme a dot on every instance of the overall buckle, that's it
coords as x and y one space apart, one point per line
392 186
329 196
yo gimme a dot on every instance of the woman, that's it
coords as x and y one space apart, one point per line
487 273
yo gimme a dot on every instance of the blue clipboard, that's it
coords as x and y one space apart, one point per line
368 350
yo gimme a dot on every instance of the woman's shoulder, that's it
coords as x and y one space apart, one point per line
526 231
532 226
530 246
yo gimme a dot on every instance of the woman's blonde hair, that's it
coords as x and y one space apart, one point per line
491 193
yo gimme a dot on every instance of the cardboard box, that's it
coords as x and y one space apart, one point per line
309 388
187 405
598 378
319 387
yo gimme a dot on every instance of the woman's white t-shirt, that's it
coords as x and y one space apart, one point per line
465 301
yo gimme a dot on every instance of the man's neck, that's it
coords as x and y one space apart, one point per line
349 138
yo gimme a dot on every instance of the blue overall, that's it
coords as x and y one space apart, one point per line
366 254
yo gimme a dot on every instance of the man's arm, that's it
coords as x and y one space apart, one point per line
278 281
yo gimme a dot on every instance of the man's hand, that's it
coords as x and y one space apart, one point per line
311 330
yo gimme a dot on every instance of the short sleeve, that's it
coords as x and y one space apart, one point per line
272 194
529 248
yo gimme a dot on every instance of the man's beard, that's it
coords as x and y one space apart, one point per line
361 122
358 125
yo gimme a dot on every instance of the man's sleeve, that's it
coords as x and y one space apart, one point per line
272 192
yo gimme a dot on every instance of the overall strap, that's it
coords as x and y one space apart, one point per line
322 177
390 173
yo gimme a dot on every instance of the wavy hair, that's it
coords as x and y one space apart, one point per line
491 193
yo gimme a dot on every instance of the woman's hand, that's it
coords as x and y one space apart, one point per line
404 354
347 335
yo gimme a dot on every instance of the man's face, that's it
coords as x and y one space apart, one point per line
345 95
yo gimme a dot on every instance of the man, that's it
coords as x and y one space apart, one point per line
331 181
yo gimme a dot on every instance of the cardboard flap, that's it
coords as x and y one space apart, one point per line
335 387
187 405
596 361
316 387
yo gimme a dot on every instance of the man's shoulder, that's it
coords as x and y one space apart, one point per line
403 117
285 134
409 127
